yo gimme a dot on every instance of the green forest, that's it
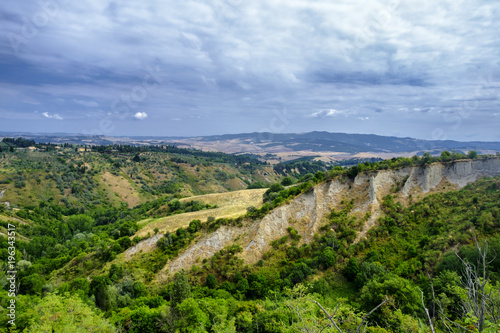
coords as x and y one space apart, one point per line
432 265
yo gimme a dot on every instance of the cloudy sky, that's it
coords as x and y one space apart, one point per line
427 69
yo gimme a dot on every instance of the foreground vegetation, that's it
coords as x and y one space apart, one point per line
429 255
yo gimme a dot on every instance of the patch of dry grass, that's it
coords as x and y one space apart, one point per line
236 184
123 189
230 204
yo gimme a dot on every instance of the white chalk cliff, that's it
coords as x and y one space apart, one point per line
307 212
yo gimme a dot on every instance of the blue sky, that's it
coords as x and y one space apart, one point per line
424 69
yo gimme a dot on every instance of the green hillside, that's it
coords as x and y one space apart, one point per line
77 214
113 175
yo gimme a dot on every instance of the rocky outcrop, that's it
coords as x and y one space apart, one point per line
142 246
205 248
307 212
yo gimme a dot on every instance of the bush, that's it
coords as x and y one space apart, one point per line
405 294
31 284
296 273
191 317
19 184
125 242
352 269
211 282
287 181
368 271
327 257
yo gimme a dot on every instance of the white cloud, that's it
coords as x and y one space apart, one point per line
324 113
140 115
52 116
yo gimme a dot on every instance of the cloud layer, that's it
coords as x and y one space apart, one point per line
425 69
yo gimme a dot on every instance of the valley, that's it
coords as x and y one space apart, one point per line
165 239
282 147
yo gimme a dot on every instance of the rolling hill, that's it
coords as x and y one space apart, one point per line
331 142
163 239
274 143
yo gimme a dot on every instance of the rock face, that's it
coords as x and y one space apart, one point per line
459 173
146 244
221 238
307 212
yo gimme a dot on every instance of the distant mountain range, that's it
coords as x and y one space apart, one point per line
321 142
350 143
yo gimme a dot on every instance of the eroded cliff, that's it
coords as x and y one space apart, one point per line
307 212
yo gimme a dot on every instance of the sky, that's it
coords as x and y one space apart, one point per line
416 68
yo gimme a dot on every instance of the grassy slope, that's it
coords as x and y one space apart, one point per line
230 204
5 218
117 179
410 242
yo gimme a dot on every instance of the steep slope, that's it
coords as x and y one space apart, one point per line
229 205
307 213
